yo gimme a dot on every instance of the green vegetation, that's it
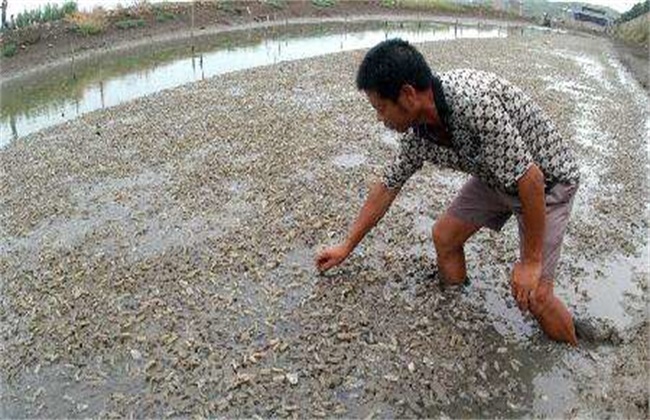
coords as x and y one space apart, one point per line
635 31
88 28
388 3
637 10
278 4
438 5
448 6
130 23
88 23
323 3
49 13
164 16
9 49
226 6
142 8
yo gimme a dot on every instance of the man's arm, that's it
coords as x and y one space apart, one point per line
406 163
374 208
527 274
533 203
376 205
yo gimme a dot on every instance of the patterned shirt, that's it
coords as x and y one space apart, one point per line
497 133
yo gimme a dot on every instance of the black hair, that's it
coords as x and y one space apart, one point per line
390 65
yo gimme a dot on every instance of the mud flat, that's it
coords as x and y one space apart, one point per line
157 256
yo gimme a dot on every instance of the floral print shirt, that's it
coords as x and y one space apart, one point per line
497 133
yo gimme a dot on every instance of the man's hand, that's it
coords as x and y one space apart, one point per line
525 279
331 257
374 208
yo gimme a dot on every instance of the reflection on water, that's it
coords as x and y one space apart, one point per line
67 93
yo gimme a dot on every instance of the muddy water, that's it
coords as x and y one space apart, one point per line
67 93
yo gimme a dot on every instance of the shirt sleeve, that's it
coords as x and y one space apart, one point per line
407 162
505 155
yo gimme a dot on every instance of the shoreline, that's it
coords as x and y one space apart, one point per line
53 42
29 65
183 35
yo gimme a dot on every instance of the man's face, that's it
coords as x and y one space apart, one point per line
396 116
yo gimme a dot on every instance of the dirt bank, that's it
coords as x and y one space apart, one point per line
52 42
636 59
157 256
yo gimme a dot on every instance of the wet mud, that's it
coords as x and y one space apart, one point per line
156 256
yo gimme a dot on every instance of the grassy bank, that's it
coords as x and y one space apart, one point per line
634 31
449 7
48 13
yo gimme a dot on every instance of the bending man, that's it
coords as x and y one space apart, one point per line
480 124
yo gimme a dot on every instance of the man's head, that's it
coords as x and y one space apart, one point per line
395 75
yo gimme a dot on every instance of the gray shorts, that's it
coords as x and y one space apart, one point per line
482 206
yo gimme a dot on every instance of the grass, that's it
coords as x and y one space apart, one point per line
388 3
449 7
278 4
635 31
323 3
437 5
87 29
164 16
9 49
641 8
88 24
130 23
48 13
226 5
160 11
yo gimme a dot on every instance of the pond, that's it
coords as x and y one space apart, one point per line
69 91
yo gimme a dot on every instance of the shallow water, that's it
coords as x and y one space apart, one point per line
64 94
613 289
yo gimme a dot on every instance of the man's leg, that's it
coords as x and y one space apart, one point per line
475 206
553 316
449 235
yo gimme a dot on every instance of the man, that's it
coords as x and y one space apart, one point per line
479 124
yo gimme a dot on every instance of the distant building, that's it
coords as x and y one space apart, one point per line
593 15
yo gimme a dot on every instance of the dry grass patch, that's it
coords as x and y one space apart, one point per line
89 23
